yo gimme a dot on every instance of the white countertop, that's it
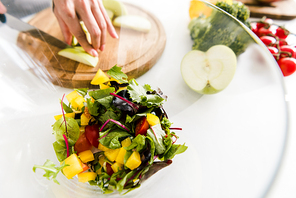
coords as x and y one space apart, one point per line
174 16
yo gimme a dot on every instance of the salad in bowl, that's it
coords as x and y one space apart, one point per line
114 137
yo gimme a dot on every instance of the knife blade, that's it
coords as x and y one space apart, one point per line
24 27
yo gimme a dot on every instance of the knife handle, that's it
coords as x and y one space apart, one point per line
2 18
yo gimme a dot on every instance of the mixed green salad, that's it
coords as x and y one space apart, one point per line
114 137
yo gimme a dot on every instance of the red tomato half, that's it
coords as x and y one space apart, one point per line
82 144
92 134
142 126
287 65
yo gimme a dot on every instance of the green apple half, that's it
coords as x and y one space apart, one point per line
117 7
209 72
78 54
134 22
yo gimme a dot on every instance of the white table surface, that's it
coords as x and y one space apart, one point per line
284 185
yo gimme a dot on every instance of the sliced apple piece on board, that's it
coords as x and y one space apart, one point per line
79 55
133 22
209 72
110 14
117 7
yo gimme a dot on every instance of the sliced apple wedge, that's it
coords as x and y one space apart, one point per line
209 72
78 54
117 7
133 22
110 13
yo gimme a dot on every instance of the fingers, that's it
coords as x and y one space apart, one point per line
2 8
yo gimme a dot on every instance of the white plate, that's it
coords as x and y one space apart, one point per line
235 138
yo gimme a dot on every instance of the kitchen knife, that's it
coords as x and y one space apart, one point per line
19 25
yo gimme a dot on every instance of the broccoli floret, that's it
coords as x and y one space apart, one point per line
233 10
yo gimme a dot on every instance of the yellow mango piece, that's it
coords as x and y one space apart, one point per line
87 176
126 142
152 119
133 161
84 119
99 78
71 96
111 154
77 103
102 147
116 167
70 115
102 160
75 166
86 156
120 157
103 86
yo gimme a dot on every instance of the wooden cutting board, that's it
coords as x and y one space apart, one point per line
134 51
282 9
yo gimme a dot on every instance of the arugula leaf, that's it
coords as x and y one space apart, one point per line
67 108
73 131
138 143
101 93
82 91
174 150
112 139
139 94
116 73
51 170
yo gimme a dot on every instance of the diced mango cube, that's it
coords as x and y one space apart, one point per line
87 176
75 166
126 142
101 160
77 103
111 154
152 119
116 167
102 147
120 157
70 115
133 161
84 119
99 78
86 156
103 86
71 96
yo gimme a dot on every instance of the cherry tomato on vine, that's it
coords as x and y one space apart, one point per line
282 42
92 134
142 126
265 32
282 33
274 51
268 40
82 144
287 65
288 51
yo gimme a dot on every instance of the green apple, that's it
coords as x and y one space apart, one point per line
117 7
110 14
209 72
134 22
78 54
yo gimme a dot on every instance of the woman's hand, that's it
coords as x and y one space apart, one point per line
2 8
93 14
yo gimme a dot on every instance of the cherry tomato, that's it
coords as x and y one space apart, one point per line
274 51
265 32
109 169
282 42
290 49
287 65
82 144
92 134
282 33
142 126
266 23
254 28
268 40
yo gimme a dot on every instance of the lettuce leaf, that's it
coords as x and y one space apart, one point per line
138 143
116 73
112 139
